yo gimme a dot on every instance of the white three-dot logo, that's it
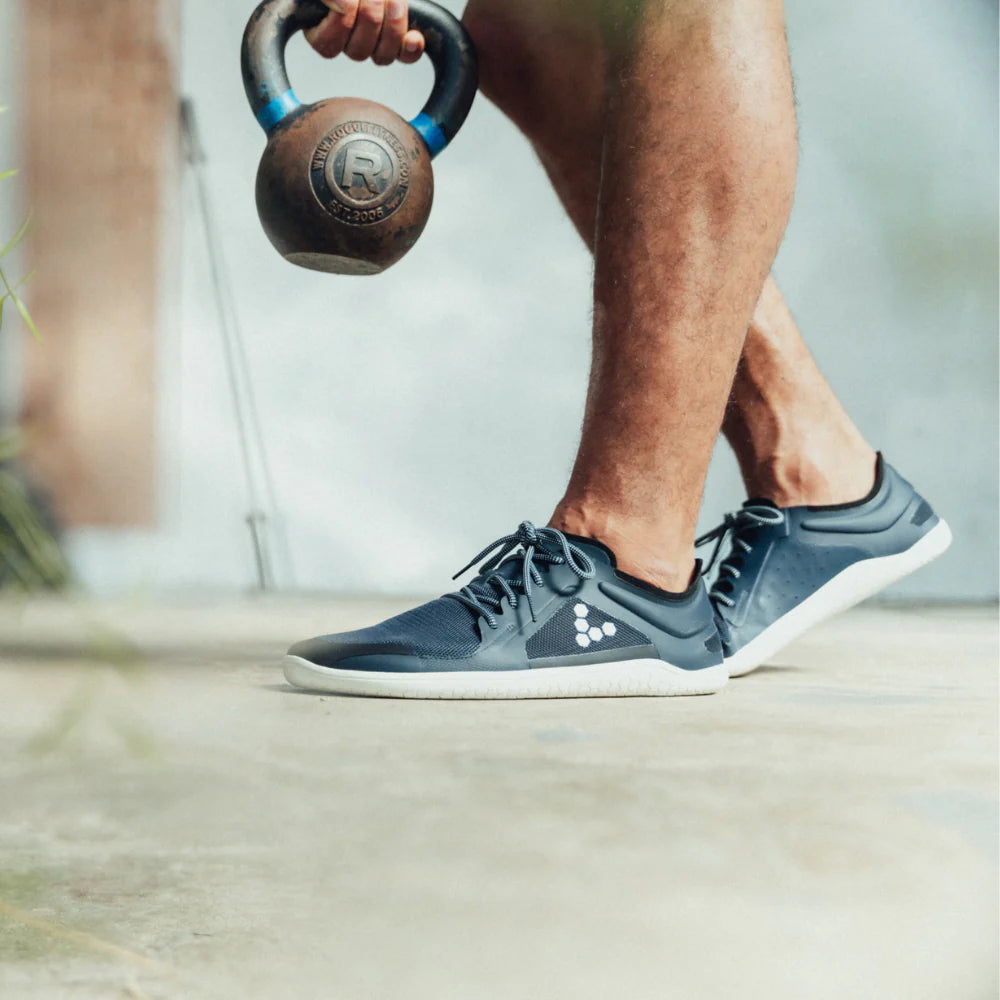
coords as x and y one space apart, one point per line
588 632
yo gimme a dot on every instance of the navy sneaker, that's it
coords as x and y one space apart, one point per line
548 616
790 568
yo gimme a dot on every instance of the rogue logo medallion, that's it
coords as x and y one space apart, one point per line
360 173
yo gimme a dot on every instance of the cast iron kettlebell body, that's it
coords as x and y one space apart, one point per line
345 185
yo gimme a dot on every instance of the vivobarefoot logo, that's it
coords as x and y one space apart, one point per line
586 631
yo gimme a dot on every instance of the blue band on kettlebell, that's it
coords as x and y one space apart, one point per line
279 108
433 137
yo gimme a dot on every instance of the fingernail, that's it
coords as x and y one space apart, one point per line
411 45
395 9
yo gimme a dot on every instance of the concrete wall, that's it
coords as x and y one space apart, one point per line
399 410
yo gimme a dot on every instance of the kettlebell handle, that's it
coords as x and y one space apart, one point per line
265 79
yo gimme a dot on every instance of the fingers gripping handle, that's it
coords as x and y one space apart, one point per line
456 74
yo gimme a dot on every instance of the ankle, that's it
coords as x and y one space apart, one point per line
796 449
652 552
809 476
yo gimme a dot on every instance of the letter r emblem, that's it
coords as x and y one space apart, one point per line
360 163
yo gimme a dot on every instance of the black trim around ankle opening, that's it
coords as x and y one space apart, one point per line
879 477
665 595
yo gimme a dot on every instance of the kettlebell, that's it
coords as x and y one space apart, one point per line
345 185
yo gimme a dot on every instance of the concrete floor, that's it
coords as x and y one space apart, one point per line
175 822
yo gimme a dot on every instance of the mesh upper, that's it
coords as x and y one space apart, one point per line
444 628
563 633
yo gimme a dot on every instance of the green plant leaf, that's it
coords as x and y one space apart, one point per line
23 281
16 238
6 295
17 285
8 173
26 316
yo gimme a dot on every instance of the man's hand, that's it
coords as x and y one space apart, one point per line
367 29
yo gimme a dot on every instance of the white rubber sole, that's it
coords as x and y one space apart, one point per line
849 587
626 678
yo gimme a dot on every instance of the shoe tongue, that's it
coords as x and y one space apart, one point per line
760 502
511 569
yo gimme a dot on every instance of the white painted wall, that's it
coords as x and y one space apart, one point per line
401 410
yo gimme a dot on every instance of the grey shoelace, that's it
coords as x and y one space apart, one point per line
542 545
740 526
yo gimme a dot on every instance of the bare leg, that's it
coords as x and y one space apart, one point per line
542 63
